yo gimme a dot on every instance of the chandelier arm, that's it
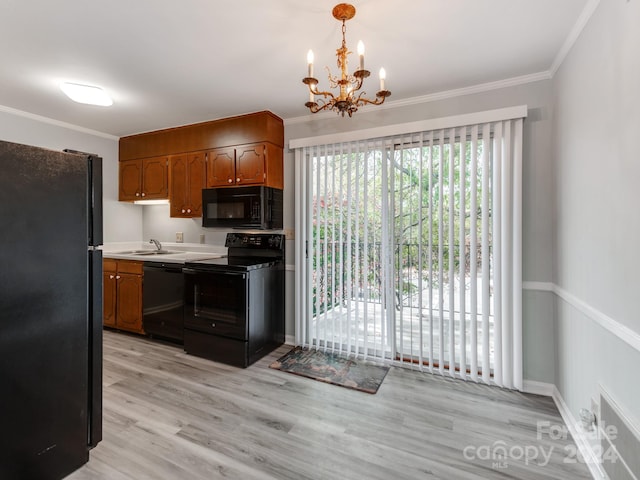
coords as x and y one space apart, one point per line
365 101
315 108
324 94
333 80
361 100
358 80
314 90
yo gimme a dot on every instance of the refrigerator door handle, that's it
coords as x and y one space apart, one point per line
94 434
94 196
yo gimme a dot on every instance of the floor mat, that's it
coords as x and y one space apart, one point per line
332 368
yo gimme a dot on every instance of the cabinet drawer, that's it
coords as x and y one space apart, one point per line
129 266
109 265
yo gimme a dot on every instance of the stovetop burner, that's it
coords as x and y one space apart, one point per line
247 251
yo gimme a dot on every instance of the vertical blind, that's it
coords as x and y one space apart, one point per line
409 249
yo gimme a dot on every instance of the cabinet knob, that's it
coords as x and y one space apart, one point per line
137 194
213 325
144 194
117 277
111 277
238 180
231 180
188 210
184 211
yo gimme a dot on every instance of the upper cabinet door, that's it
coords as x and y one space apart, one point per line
250 164
155 183
221 167
130 181
145 179
186 181
196 170
177 185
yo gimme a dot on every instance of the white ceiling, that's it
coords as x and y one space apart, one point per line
174 62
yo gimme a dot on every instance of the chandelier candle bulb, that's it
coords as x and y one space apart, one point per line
383 75
310 63
361 54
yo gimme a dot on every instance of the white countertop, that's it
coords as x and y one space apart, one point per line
180 252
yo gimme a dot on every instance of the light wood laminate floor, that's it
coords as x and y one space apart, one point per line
169 415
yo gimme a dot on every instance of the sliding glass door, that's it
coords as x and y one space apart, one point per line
348 247
439 262
409 246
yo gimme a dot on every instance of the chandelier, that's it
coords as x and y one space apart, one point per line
348 99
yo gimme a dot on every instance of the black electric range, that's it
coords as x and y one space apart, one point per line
234 306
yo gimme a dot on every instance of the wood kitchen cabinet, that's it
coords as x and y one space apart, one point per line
109 272
258 127
221 167
234 151
254 164
187 178
143 179
123 294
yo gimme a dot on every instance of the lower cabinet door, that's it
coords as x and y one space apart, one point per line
109 299
129 305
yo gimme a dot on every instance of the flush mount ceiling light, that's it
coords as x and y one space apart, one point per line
86 94
348 100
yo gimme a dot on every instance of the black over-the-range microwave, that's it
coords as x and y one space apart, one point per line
242 207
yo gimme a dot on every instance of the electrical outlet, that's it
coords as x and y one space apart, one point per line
202 239
289 234
179 237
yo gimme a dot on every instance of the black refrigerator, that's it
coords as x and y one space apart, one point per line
50 310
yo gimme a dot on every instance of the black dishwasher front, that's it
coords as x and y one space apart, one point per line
163 300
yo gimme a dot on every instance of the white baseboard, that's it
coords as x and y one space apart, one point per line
584 447
539 388
290 340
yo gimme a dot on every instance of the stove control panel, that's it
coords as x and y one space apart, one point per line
271 241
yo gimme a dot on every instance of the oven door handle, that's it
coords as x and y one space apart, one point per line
193 271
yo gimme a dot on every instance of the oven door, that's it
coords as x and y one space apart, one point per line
216 302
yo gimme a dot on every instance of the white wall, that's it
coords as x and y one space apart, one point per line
597 192
122 222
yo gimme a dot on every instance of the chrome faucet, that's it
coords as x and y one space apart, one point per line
156 243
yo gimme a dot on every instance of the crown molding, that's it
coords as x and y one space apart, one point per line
575 32
433 97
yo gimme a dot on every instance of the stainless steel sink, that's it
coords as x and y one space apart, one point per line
146 252
155 252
